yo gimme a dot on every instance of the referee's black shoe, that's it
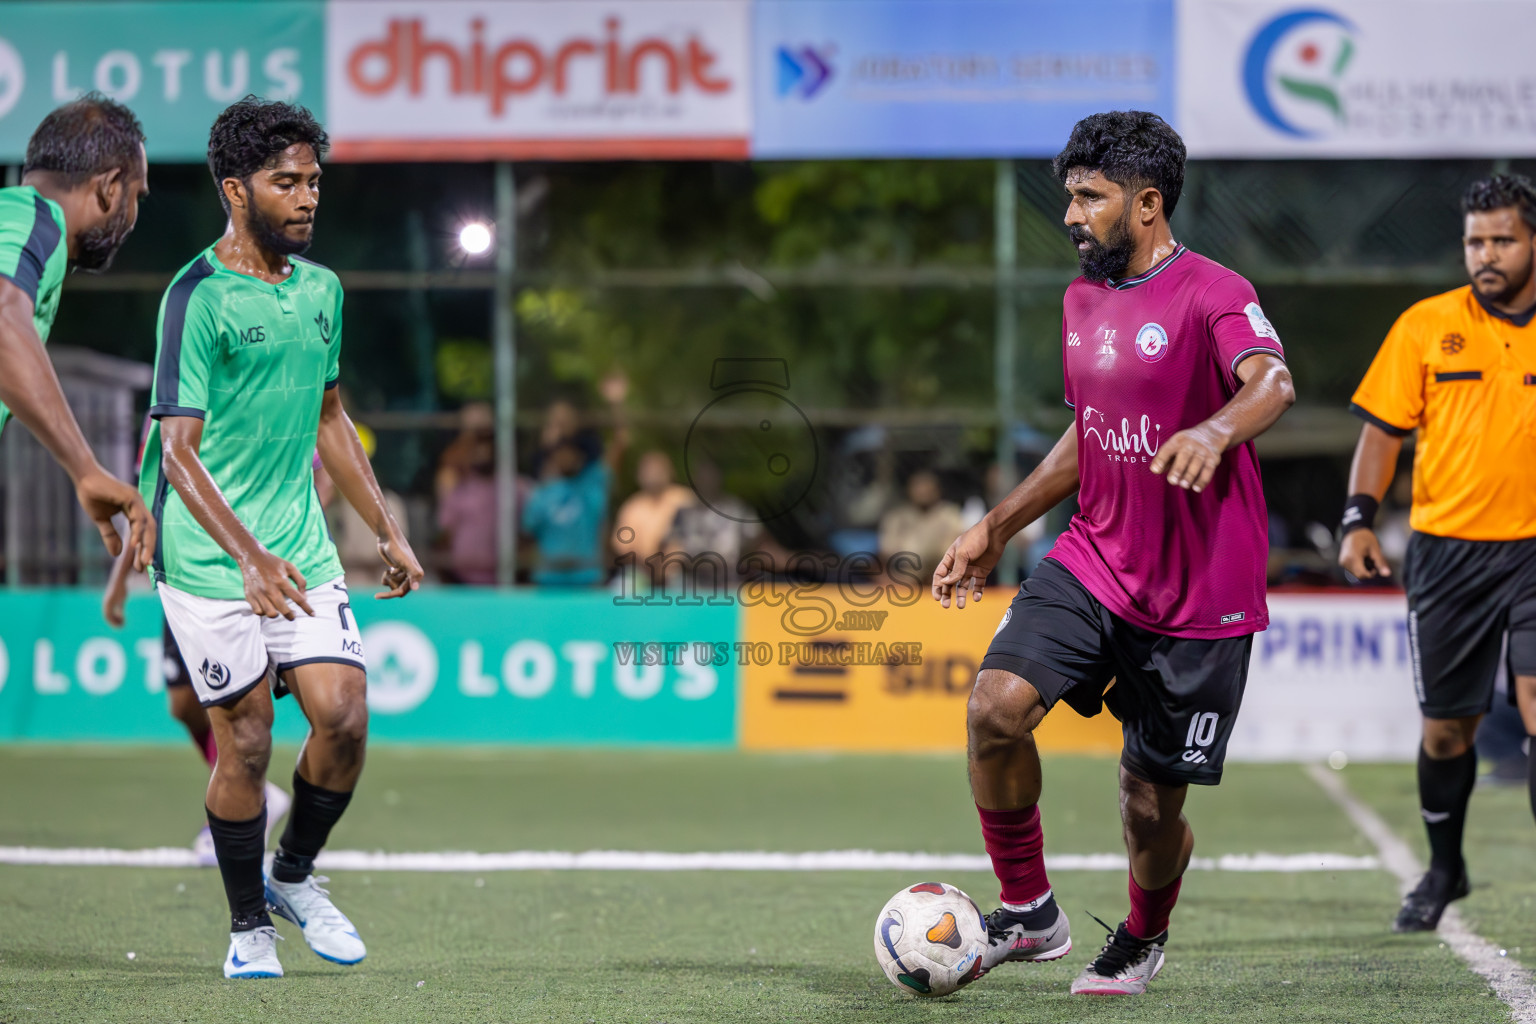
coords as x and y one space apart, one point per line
1423 906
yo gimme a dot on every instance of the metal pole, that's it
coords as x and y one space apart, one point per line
504 343
12 175
1005 341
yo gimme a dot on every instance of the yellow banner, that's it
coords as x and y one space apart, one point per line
830 668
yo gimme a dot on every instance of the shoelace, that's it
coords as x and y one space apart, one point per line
1118 953
321 908
248 940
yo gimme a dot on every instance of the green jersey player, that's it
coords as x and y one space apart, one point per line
244 396
78 200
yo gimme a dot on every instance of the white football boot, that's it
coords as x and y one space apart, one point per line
326 929
1008 939
1123 967
253 954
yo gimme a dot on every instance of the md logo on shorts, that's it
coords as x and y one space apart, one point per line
215 674
403 667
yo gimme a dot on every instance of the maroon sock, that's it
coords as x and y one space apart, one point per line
1016 844
1150 909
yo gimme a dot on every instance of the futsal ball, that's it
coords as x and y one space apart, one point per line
929 939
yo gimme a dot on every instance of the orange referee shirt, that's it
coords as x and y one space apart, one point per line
1464 376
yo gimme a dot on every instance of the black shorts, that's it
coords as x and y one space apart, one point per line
174 668
1464 598
1175 697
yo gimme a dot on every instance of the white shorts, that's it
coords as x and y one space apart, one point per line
229 649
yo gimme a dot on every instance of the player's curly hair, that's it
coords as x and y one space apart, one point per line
1134 149
86 137
253 132
1499 193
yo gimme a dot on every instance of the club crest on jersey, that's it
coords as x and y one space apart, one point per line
1151 342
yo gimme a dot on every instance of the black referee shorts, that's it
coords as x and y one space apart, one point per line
1176 697
1464 598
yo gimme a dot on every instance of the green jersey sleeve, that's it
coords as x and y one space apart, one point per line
29 237
188 344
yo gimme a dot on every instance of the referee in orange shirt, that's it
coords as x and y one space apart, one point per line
1460 368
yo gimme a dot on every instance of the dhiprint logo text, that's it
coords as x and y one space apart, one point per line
1123 443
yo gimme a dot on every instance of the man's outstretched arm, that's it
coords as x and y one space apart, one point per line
30 388
1191 456
963 569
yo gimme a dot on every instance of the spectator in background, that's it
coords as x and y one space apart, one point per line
467 513
356 544
646 517
713 532
925 524
477 429
567 509
565 516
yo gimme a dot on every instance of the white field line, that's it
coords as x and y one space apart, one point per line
630 860
1510 982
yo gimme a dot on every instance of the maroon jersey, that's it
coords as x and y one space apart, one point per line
1145 358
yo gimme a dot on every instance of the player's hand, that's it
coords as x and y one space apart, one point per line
1190 457
271 583
402 573
1360 555
963 569
113 602
103 496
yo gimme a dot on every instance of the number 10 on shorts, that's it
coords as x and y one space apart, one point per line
1202 729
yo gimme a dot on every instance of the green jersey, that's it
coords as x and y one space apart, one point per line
33 255
253 361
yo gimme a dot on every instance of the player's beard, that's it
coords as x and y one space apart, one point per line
1106 260
95 247
270 236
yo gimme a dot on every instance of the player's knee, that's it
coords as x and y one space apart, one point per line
1003 710
343 726
246 747
1442 746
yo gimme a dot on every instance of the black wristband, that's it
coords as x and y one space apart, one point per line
1359 514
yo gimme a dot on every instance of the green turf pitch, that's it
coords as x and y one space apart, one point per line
703 947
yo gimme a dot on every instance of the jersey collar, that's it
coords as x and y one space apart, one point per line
1518 319
1157 268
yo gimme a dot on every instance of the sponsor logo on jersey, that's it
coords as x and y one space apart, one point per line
1260 323
1234 617
1126 443
253 335
1151 342
1452 343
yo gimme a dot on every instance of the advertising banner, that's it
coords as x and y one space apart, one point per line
836 669
448 667
950 78
1332 673
538 79
176 64
1357 78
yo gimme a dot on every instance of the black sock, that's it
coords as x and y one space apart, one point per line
1530 770
1445 787
240 845
314 812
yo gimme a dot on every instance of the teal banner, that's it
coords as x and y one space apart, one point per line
176 64
459 666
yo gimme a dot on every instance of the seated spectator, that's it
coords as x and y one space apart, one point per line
564 516
924 524
646 516
711 534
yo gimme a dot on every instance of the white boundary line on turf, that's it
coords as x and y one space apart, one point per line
634 860
1511 982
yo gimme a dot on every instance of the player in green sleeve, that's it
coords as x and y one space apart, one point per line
78 200
244 396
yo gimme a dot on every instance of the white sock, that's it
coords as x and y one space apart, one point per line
1034 904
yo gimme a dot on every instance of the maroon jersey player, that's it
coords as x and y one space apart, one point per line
1171 369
